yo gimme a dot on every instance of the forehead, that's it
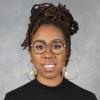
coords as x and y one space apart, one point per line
48 33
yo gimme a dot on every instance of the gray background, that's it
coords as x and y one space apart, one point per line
85 44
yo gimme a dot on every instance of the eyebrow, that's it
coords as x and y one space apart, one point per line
39 41
56 40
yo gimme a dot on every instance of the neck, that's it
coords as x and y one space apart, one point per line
50 81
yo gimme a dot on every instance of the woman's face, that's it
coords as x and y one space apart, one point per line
47 64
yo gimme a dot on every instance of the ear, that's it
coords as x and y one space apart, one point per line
30 54
68 53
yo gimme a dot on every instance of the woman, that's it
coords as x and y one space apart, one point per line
49 43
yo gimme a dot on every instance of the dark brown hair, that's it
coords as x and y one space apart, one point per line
48 13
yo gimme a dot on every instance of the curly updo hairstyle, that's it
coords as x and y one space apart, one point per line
48 13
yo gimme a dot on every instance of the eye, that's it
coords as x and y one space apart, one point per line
57 46
39 47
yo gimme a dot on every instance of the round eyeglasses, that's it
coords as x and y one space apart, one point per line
56 46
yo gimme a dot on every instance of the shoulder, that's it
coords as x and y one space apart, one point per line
20 91
77 91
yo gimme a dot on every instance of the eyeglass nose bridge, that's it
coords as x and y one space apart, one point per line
48 47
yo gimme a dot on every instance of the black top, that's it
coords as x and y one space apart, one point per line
34 90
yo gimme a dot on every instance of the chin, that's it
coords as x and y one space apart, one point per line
50 76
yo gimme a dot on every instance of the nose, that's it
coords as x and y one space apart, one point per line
48 53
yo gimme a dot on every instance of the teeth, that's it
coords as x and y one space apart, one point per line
49 66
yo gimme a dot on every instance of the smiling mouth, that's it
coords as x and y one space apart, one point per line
49 67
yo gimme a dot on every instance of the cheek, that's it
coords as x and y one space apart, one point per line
63 57
35 60
61 60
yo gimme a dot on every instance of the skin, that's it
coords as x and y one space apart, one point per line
48 76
